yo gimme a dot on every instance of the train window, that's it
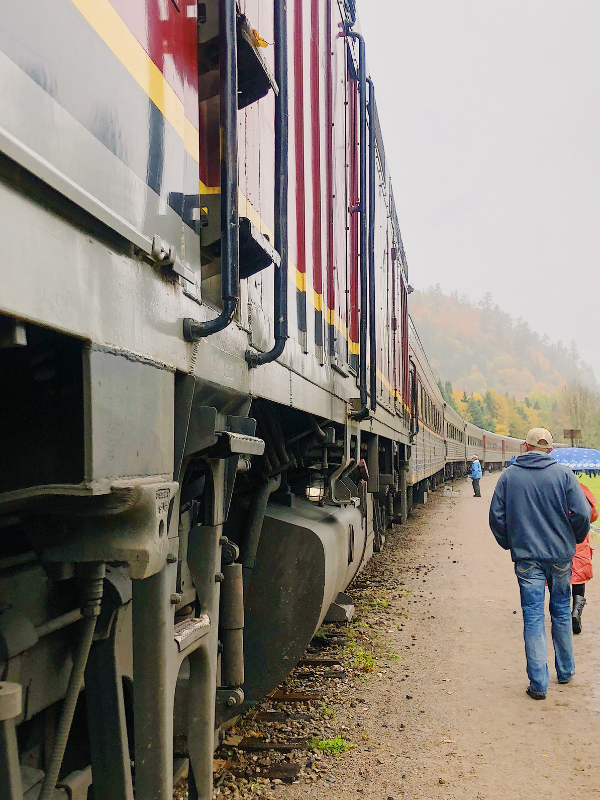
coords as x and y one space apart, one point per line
455 433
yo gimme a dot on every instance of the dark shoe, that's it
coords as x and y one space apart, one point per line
566 680
535 695
578 604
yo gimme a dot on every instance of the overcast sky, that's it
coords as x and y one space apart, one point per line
491 120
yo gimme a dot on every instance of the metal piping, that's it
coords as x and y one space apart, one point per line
231 626
371 249
230 262
363 412
256 514
11 705
58 623
280 317
316 427
92 575
351 9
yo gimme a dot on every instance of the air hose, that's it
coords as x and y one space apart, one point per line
91 587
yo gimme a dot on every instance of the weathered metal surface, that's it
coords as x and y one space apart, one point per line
141 171
341 610
189 631
129 405
301 565
136 536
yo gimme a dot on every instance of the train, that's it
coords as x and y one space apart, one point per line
442 442
213 401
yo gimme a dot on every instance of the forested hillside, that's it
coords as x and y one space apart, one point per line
500 374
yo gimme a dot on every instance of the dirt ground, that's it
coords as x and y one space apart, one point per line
450 718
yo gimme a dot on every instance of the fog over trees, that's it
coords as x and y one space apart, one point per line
502 375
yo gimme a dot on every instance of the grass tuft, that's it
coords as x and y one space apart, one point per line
335 746
363 659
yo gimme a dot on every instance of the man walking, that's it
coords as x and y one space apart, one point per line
539 513
475 475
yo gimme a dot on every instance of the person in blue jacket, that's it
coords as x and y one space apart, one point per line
475 475
539 513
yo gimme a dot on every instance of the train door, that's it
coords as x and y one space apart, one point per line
414 400
385 288
404 364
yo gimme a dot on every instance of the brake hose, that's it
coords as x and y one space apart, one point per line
92 577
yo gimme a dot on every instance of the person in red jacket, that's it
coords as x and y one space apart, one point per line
582 567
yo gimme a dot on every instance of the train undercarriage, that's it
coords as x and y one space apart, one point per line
139 616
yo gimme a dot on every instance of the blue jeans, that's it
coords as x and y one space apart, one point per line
532 577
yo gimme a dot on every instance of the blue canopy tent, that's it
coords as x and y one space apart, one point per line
577 458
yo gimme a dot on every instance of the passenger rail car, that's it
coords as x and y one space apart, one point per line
428 444
493 450
456 442
208 413
474 441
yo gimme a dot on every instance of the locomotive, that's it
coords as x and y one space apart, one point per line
213 403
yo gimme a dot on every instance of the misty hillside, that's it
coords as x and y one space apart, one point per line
477 347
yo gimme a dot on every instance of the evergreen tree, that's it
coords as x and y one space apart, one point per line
479 416
448 392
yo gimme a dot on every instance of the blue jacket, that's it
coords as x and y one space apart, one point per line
539 510
476 469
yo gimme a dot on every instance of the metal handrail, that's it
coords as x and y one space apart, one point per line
363 411
230 261
371 249
280 315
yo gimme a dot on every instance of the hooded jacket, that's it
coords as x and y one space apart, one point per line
538 510
476 469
